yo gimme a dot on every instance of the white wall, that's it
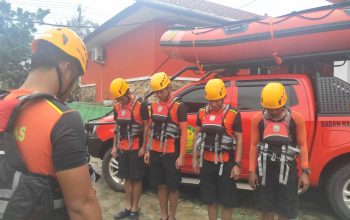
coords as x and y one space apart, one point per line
342 72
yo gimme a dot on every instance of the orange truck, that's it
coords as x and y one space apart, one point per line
297 50
323 101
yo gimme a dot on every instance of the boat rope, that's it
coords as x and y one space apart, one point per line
300 16
276 57
199 66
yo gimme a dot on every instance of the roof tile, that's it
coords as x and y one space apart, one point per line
213 8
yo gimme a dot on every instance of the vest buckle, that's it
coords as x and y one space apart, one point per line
273 157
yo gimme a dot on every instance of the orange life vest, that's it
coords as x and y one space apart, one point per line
277 146
277 132
216 139
129 124
18 172
164 126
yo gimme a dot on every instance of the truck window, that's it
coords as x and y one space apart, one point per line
194 97
194 100
249 97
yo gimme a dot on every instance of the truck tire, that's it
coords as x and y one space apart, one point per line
338 191
110 170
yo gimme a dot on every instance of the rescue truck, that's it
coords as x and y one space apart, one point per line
312 89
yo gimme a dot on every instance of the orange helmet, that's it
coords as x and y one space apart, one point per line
215 90
273 96
159 81
68 41
118 87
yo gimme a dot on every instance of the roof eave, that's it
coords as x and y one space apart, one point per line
185 11
156 5
115 19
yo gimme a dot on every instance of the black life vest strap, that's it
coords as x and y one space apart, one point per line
22 101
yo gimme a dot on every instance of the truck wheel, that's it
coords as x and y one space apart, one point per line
338 191
110 169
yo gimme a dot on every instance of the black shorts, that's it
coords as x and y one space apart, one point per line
217 189
163 170
276 197
131 166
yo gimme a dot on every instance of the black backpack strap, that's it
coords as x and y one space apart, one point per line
22 101
12 154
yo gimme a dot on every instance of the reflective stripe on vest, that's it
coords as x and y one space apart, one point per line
7 193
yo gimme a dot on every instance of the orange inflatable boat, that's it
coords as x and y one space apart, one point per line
310 32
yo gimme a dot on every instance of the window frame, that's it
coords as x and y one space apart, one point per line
288 83
197 87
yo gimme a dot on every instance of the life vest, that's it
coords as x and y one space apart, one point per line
163 126
214 136
127 127
276 145
18 187
24 194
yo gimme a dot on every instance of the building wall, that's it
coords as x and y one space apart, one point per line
133 55
88 93
142 87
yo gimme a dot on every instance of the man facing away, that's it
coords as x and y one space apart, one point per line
278 136
50 137
217 151
131 130
168 131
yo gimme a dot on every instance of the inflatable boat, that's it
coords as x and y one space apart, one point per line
311 32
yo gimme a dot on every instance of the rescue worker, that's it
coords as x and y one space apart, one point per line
278 136
131 130
217 151
51 137
168 132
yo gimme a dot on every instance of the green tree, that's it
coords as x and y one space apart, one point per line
83 27
16 34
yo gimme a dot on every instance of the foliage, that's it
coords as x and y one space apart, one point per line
16 34
83 27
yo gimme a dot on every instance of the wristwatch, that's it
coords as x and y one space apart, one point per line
239 164
307 171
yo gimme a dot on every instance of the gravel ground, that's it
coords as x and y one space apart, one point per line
190 208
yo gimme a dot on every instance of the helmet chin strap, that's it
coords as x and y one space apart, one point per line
59 77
